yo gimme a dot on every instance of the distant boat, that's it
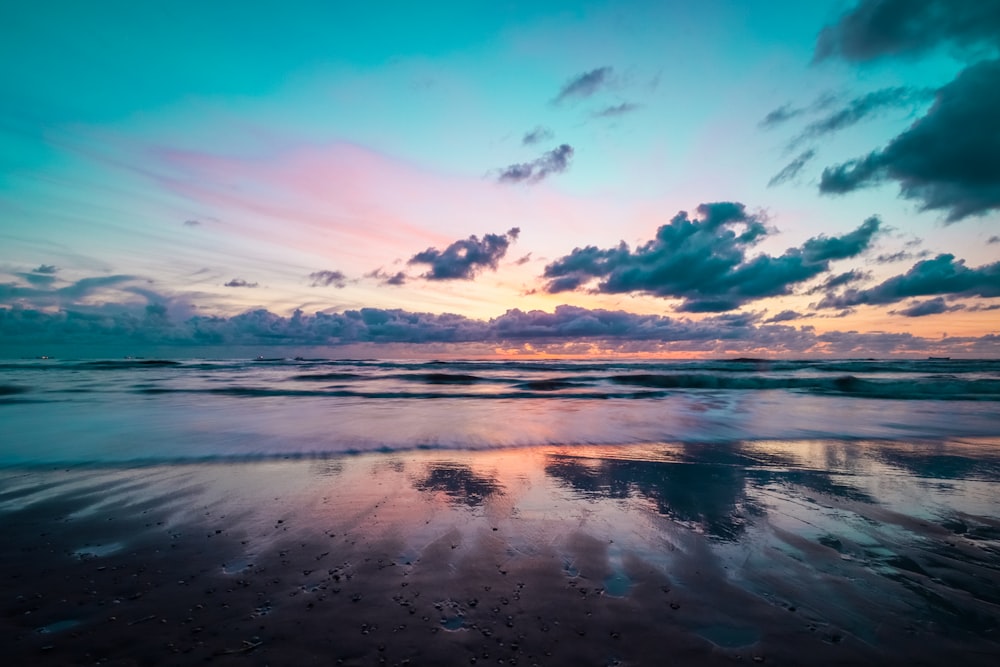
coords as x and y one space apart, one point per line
938 358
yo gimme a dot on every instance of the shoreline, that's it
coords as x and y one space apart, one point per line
554 555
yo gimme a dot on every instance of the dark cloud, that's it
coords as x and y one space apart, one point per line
934 306
520 261
886 28
584 85
46 268
792 169
931 277
949 159
784 316
537 135
463 259
703 261
239 282
192 223
616 110
993 239
326 278
554 161
863 107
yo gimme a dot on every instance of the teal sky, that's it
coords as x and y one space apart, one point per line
163 165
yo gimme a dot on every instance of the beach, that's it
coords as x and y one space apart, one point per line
777 552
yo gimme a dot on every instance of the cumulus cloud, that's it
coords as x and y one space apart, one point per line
46 268
616 110
703 261
942 275
536 136
934 306
465 258
239 282
792 169
945 160
554 161
584 85
326 278
880 28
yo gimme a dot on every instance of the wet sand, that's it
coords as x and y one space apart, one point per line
780 553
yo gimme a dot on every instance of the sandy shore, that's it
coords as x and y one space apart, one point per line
775 553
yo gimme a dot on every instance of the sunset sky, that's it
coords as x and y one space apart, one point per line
475 178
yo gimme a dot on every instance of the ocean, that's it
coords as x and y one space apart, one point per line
65 411
310 511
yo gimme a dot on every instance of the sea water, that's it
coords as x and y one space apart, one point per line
65 411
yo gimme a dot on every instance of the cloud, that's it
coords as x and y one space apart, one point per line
537 135
616 110
840 280
862 107
326 278
934 306
779 116
703 261
567 327
584 85
792 169
42 295
900 256
942 275
887 28
993 239
521 261
784 316
463 259
46 268
945 159
386 278
554 161
192 223
239 282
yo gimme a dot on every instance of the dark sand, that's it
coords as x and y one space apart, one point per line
884 554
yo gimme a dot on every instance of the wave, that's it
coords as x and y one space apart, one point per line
911 388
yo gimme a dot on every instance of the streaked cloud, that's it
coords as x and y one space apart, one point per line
537 135
584 85
239 282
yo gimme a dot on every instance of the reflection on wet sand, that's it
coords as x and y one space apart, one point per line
777 552
459 482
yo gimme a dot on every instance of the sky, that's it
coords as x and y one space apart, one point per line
471 178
